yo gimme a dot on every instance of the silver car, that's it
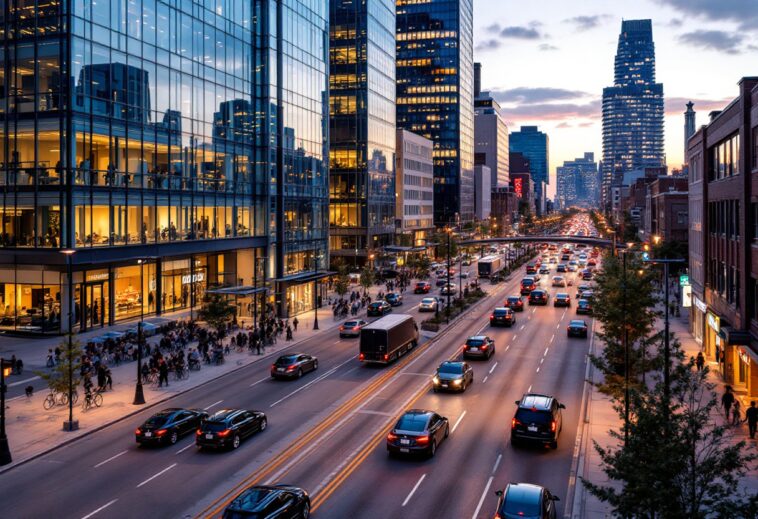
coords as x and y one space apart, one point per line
428 304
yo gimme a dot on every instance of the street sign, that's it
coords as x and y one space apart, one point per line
684 280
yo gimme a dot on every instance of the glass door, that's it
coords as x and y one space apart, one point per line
96 305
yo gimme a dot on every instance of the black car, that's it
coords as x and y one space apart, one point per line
453 376
515 303
562 299
583 306
394 299
586 274
441 281
293 365
479 346
418 432
378 308
525 501
538 418
527 285
270 502
538 297
577 328
502 316
561 268
226 428
168 426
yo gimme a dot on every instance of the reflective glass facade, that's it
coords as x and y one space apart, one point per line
632 107
362 127
534 145
435 95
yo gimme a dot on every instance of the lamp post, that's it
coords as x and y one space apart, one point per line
5 450
139 393
70 425
447 288
315 293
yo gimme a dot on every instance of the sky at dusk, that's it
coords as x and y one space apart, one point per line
547 62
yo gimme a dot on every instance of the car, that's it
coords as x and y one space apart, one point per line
538 418
562 299
394 299
537 278
559 281
378 308
480 346
577 328
588 295
422 287
466 262
561 268
553 259
269 502
583 306
591 262
502 315
525 501
538 297
531 268
464 275
441 272
586 274
352 328
293 365
573 262
571 268
527 285
228 427
449 289
544 270
441 282
453 376
565 257
515 303
168 425
583 287
418 431
428 304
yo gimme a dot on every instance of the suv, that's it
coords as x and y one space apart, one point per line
525 500
502 316
538 297
527 285
378 308
538 418
479 346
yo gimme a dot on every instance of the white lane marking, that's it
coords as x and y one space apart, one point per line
485 379
529 390
493 368
542 360
538 369
337 342
106 505
534 310
185 448
258 382
458 421
552 338
564 315
481 500
14 384
213 404
497 463
322 377
522 327
413 491
546 350
557 326
515 337
110 459
507 347
148 480
379 413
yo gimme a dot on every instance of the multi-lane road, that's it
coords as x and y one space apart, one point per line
327 433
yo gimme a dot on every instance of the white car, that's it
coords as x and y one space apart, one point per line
559 281
449 289
428 304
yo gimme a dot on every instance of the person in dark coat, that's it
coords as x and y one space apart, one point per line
751 417
162 373
727 400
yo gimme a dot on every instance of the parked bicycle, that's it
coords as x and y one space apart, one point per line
92 400
58 398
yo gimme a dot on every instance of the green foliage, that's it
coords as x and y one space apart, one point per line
341 281
217 311
367 278
440 238
57 379
630 229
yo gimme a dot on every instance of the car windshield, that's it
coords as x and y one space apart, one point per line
577 323
519 502
514 299
500 311
375 305
251 501
427 300
449 368
412 422
562 296
584 302
537 293
533 416
286 360
474 342
214 426
351 324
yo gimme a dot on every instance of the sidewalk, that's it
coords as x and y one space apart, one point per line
600 417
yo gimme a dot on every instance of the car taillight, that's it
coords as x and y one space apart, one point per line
273 366
356 327
484 346
514 423
422 440
160 432
552 426
224 433
138 431
391 437
342 328
386 357
361 356
292 367
199 432
492 316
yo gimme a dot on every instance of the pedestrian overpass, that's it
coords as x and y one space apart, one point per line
547 238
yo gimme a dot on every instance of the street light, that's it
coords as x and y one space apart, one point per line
656 239
448 230
70 425
139 393
5 449
315 291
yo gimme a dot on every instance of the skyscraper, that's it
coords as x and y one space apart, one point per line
534 145
362 127
577 182
490 134
632 107
435 95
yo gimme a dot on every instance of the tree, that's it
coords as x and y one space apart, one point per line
341 281
217 311
367 278
70 362
630 229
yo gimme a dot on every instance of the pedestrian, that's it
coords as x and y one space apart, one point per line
108 378
162 373
751 417
289 333
50 361
295 323
736 414
700 361
19 366
727 400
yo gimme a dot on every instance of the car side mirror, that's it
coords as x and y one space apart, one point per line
518 402
555 498
499 493
561 406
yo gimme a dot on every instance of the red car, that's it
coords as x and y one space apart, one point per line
422 287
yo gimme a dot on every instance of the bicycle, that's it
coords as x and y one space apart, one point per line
181 373
92 400
58 398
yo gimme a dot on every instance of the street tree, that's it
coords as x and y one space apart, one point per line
368 278
57 379
341 281
217 311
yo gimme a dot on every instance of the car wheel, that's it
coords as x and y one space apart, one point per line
554 445
447 430
315 365
235 441
433 449
299 372
306 510
264 424
173 438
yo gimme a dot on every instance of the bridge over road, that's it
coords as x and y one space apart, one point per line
562 238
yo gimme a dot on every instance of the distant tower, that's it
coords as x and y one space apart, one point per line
689 125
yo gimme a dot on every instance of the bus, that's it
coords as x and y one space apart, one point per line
490 265
388 338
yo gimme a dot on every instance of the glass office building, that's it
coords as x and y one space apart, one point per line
534 145
435 95
129 136
362 127
632 107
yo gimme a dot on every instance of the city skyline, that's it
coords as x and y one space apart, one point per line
723 36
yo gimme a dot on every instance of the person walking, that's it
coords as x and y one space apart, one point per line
736 414
162 373
700 361
727 400
751 417
295 322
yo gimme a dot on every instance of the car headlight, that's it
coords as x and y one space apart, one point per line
457 381
436 379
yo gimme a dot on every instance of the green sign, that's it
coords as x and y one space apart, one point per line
684 280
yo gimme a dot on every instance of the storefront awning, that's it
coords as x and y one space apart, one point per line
304 277
732 336
237 291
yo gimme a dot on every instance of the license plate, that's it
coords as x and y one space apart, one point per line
208 436
405 450
405 442
148 435
532 428
444 385
279 369
474 349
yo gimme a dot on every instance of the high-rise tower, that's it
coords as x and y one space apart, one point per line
632 107
689 125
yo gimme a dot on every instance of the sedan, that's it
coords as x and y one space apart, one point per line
559 281
418 432
577 328
352 328
449 289
394 299
544 270
502 315
378 308
561 268
562 299
226 428
269 502
525 501
586 274
583 306
480 346
293 365
168 426
538 297
422 287
453 376
515 303
428 304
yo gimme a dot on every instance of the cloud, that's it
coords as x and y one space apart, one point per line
676 105
494 28
564 124
536 95
586 124
554 111
743 12
520 33
585 23
547 47
720 41
486 45
675 23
